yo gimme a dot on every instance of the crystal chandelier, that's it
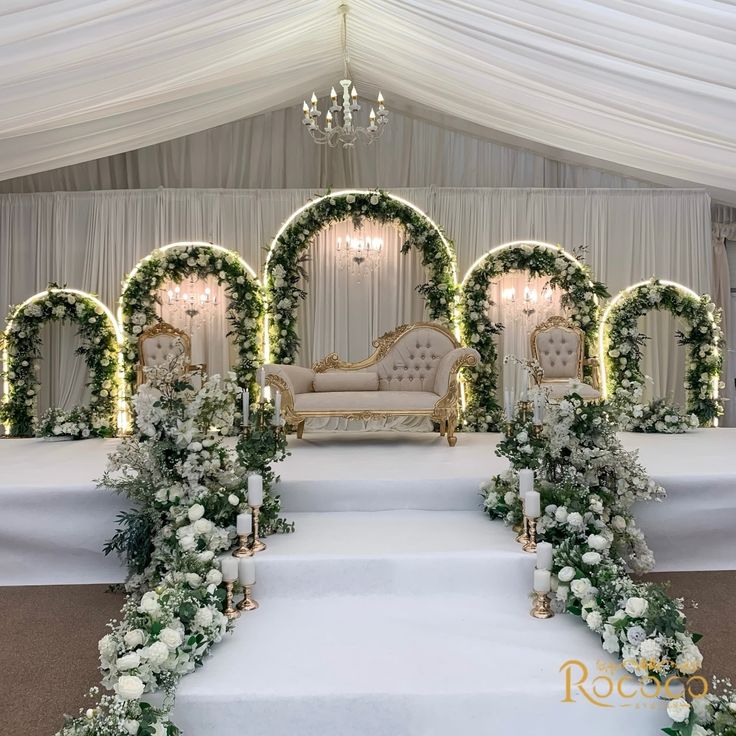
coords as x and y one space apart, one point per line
191 301
359 253
340 126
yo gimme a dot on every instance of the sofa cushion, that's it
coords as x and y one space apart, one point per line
411 364
365 401
345 381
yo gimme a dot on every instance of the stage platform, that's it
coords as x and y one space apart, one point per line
55 520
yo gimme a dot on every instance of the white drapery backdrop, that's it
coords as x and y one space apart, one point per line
90 240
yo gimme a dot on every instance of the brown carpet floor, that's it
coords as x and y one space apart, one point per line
48 651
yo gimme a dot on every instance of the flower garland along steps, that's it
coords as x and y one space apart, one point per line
180 261
188 488
623 349
285 270
588 485
580 294
21 344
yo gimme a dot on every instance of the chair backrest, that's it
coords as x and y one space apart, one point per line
160 343
411 362
557 345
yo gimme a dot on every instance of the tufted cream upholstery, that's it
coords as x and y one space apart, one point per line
559 353
156 349
411 365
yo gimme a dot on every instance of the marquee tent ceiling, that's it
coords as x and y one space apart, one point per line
646 84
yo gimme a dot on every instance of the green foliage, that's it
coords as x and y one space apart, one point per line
285 269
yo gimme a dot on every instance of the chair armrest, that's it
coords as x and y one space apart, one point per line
449 366
299 380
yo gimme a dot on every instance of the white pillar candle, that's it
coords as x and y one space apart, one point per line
524 385
244 524
229 568
276 418
532 504
246 407
255 490
508 404
544 556
542 581
526 482
247 571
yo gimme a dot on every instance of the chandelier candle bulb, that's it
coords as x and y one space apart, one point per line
532 504
255 491
247 571
526 483
229 569
542 578
544 556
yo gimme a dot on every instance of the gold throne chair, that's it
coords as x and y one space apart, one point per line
558 346
160 343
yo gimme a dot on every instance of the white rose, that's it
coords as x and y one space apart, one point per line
149 604
196 512
214 577
203 617
134 638
157 653
566 574
107 647
131 726
678 710
636 607
689 661
597 542
580 587
129 687
618 523
193 579
591 558
561 515
187 543
594 620
509 497
575 520
233 500
128 661
170 637
203 526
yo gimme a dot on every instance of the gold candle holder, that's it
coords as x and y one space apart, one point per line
507 429
537 430
541 607
248 603
257 545
525 408
243 550
530 545
523 531
230 611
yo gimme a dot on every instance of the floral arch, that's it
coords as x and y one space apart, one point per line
284 268
178 261
621 345
21 349
580 295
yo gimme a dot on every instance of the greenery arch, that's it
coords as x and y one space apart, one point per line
580 295
21 344
178 261
284 267
621 344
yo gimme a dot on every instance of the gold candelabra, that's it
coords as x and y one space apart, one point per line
540 606
230 611
257 545
248 603
529 543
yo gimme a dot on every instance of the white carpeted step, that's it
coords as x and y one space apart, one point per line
403 666
390 552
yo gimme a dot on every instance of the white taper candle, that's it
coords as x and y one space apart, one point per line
526 482
246 407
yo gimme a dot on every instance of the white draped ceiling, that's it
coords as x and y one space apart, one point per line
645 85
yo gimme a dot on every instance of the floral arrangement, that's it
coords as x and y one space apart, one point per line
188 487
624 345
80 423
22 341
579 297
657 416
245 304
588 485
285 269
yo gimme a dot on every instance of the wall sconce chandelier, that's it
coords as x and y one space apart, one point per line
340 125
